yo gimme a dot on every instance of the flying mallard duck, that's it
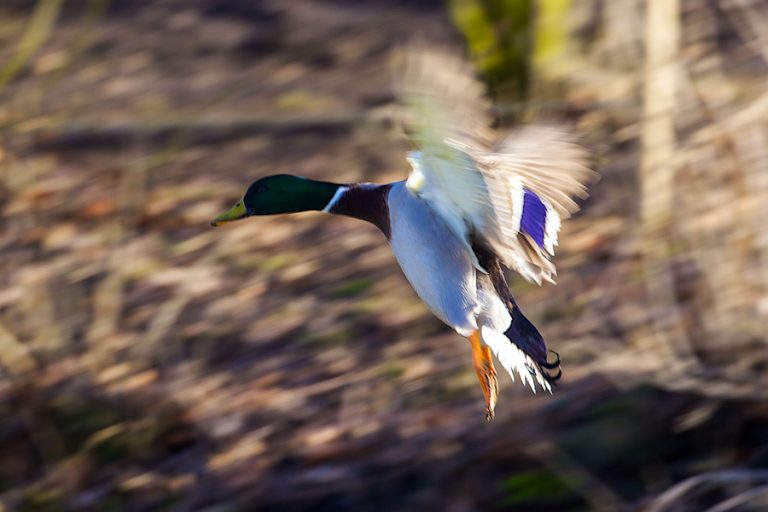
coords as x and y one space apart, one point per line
469 208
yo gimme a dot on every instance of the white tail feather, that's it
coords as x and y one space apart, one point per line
513 359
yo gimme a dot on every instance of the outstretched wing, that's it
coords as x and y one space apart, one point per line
443 100
532 177
511 195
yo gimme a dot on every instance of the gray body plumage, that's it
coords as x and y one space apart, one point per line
438 266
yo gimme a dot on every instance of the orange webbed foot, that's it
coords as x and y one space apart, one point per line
486 373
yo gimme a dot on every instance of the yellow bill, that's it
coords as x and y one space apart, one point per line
236 212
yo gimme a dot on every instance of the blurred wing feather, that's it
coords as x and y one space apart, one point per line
511 195
443 100
550 163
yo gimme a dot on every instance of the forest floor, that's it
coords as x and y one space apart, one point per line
154 363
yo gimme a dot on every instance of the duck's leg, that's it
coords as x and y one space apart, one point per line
486 373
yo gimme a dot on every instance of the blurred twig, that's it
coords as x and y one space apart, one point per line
35 35
722 385
676 492
740 499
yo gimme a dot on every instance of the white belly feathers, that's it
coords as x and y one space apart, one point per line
434 260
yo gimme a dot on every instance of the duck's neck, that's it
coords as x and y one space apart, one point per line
364 201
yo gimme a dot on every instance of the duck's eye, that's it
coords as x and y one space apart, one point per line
261 188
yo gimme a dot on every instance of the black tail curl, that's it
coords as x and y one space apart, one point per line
527 338
552 379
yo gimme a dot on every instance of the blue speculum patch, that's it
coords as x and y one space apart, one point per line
534 217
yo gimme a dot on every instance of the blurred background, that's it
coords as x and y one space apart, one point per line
149 362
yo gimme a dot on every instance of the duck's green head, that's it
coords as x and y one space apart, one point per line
282 193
